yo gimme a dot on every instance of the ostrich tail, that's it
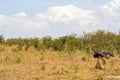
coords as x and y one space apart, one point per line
111 54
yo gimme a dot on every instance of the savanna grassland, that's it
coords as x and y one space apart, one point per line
63 58
54 65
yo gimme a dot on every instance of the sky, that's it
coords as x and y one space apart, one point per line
55 18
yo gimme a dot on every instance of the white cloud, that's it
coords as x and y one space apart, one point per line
21 22
112 9
22 14
62 20
70 18
111 14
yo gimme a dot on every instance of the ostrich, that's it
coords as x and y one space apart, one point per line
100 54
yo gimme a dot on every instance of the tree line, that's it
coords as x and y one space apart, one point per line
102 39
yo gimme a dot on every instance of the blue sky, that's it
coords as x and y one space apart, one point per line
38 18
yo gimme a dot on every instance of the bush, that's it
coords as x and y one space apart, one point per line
1 39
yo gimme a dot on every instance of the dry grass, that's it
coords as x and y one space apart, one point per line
51 65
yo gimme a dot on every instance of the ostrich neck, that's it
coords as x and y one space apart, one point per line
91 50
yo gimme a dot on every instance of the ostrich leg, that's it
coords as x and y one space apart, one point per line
98 65
104 62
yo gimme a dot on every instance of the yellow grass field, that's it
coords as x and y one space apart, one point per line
52 65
